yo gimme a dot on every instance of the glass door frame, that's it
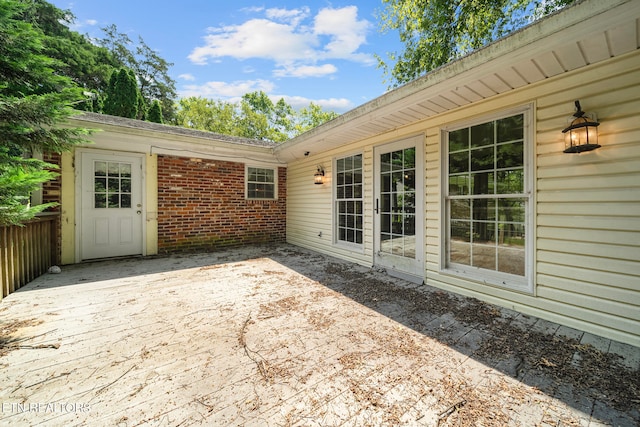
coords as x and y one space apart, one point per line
410 268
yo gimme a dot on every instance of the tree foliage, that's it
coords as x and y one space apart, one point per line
155 112
150 69
262 119
311 117
435 32
34 101
87 64
207 114
122 95
255 116
90 63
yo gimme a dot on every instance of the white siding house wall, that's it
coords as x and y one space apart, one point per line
310 207
586 206
589 205
309 215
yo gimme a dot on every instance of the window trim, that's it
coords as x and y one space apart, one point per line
498 279
336 241
246 182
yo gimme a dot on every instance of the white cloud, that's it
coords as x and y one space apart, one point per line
81 25
282 38
302 71
250 9
187 76
335 104
233 92
292 16
257 38
227 91
345 32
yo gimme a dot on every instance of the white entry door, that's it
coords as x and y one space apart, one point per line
399 208
111 205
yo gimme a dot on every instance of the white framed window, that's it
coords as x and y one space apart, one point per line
261 183
488 198
349 200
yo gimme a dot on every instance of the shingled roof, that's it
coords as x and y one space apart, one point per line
106 119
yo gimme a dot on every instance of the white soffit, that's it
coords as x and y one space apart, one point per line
583 34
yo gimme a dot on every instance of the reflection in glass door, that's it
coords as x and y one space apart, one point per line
398 202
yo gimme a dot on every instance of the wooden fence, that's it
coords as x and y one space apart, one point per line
26 252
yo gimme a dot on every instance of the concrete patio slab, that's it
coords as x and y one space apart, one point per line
279 335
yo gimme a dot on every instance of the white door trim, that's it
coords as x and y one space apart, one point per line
78 175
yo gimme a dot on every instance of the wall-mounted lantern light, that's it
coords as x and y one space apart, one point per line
582 134
318 177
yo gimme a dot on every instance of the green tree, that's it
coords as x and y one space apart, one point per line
256 116
34 101
93 103
252 123
155 112
435 32
88 65
122 95
150 69
142 104
283 119
207 114
311 117
262 119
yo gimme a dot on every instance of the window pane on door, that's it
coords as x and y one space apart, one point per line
397 202
111 185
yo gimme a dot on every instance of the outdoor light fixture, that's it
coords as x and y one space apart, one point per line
318 177
582 133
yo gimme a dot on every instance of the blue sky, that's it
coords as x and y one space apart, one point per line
318 51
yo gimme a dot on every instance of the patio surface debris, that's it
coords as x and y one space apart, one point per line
279 336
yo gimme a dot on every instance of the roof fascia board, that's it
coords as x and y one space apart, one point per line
160 129
153 142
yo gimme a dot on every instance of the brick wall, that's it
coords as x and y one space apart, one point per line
202 206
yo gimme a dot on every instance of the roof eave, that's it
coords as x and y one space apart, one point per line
576 21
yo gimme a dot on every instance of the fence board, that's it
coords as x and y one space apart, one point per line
4 261
26 252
